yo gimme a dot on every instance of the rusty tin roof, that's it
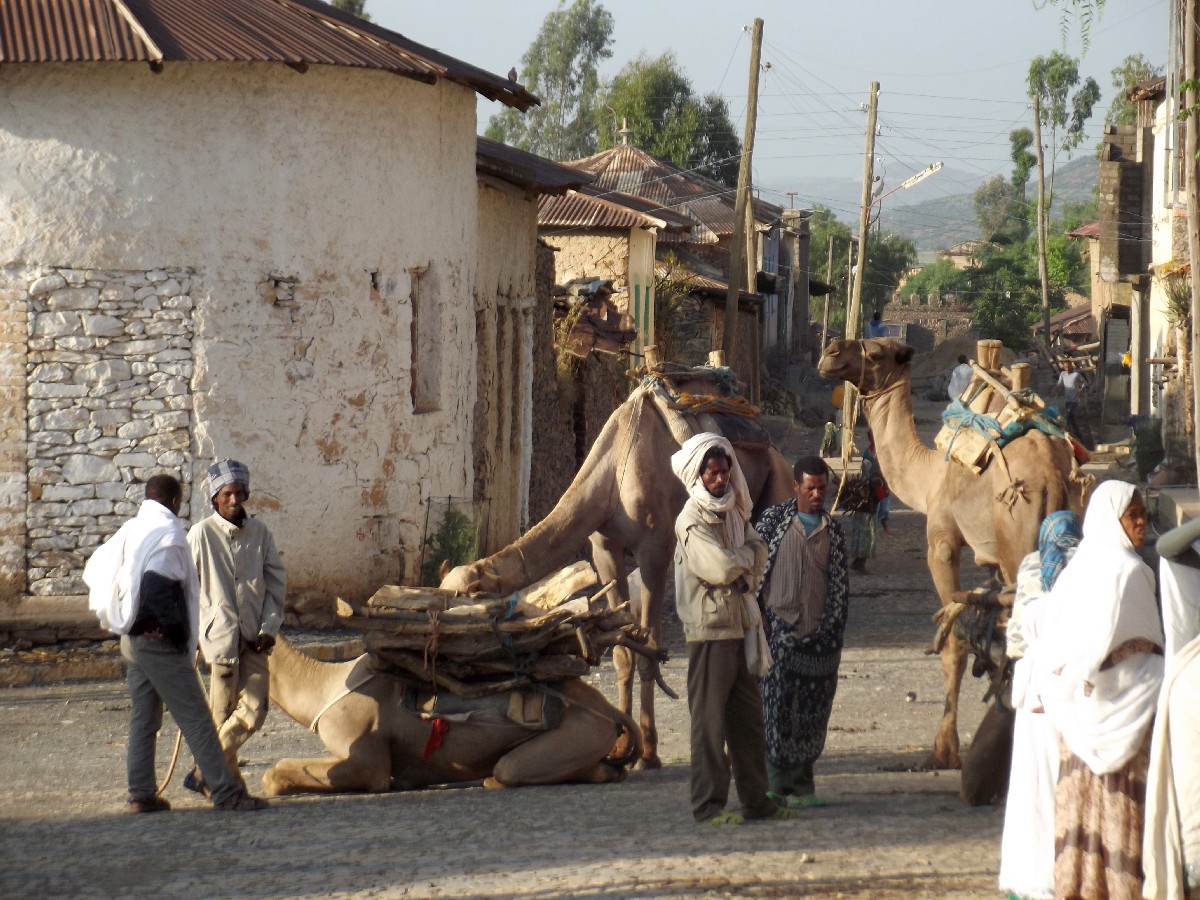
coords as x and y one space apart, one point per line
631 170
525 169
591 208
295 32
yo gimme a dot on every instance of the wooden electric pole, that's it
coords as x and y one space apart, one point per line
1043 273
828 297
854 313
737 249
1191 176
854 308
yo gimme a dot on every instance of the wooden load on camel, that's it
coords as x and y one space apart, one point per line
485 644
997 406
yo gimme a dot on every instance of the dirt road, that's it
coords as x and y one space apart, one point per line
888 831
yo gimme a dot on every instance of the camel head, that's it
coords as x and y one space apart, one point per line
464 579
870 365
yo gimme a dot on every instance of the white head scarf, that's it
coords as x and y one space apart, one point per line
735 505
1103 598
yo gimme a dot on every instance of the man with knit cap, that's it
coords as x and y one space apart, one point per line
142 585
719 560
242 585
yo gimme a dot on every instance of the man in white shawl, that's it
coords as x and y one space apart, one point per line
1102 667
1171 849
143 586
719 560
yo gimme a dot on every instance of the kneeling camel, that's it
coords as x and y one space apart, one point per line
379 744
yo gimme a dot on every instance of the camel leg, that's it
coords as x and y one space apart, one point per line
945 549
609 559
329 775
654 561
572 752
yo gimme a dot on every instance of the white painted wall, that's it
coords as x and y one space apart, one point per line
283 192
505 294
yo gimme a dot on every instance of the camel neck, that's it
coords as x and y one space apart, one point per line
297 682
905 462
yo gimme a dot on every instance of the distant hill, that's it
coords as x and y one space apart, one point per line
942 221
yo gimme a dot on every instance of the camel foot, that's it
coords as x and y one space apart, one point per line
650 761
941 760
623 748
492 783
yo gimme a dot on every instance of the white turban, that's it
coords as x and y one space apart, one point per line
736 505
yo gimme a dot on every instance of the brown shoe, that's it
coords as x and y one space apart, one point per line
147 805
241 802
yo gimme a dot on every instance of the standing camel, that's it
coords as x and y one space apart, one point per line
624 498
996 513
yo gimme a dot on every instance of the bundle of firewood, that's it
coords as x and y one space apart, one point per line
484 644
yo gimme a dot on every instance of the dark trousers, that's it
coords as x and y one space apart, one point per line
725 710
158 674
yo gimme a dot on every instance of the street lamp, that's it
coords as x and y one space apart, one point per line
910 181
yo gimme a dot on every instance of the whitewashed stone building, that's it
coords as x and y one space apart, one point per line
234 228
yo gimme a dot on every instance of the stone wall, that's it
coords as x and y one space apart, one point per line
109 364
932 320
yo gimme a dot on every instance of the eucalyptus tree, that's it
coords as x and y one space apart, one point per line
560 67
653 102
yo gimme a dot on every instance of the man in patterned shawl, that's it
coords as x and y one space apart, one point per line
804 598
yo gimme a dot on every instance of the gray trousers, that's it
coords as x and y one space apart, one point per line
726 709
158 674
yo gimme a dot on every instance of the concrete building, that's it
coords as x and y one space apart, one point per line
245 228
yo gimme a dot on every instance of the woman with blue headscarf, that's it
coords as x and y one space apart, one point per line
1027 846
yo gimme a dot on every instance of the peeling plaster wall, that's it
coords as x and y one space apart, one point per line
316 211
505 292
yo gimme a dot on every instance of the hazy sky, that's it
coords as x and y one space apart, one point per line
951 72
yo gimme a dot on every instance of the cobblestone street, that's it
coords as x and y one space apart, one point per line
888 831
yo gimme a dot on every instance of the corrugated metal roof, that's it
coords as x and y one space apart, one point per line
706 285
589 208
296 32
525 169
632 170
1090 230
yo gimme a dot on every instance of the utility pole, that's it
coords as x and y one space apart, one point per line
737 248
1043 272
828 297
1191 143
854 313
854 309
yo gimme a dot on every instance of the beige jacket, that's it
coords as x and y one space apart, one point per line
242 584
710 577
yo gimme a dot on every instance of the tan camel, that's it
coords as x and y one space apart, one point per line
379 744
997 513
624 498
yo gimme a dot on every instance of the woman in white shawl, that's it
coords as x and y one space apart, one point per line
1027 843
1102 667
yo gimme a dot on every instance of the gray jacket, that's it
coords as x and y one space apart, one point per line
711 577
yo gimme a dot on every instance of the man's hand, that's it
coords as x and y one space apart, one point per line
265 643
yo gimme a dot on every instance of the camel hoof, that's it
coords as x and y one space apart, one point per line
937 760
648 762
492 783
272 784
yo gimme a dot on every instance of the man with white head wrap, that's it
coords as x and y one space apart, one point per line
242 586
719 559
1101 668
143 586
